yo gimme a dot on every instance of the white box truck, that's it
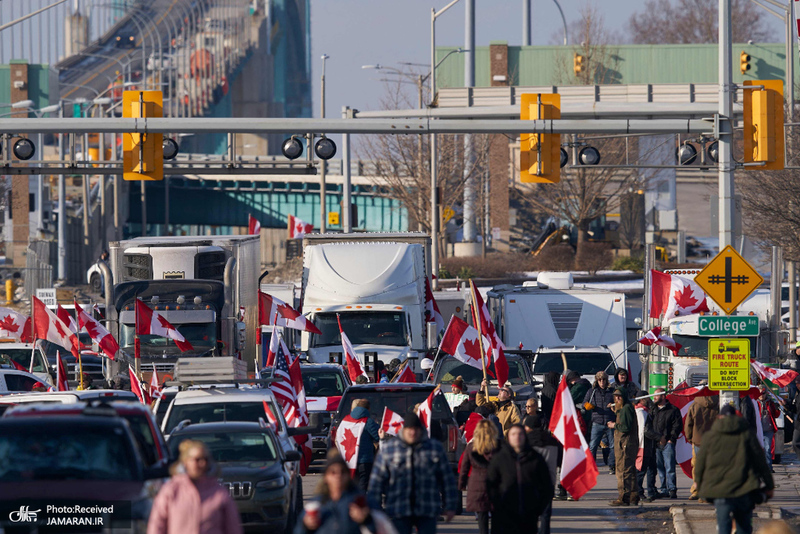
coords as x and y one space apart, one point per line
375 284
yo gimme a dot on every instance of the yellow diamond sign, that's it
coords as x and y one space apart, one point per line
728 279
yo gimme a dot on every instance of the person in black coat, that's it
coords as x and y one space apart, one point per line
668 424
516 506
548 394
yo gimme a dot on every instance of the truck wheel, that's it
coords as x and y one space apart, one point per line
96 282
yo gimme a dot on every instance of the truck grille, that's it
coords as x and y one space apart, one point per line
239 490
565 319
137 267
694 380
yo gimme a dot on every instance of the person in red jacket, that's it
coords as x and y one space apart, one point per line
193 502
769 410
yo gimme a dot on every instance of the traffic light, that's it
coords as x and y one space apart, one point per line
763 124
540 154
577 63
744 62
142 153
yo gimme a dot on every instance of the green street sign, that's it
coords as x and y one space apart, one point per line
721 325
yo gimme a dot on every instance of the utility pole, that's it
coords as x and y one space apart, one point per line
347 224
62 207
526 22
470 192
323 210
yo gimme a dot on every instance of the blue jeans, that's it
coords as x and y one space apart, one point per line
425 525
738 508
598 431
768 447
665 464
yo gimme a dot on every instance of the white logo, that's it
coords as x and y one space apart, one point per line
24 515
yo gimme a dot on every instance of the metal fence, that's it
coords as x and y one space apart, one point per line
38 272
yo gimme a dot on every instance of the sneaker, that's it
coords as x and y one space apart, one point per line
612 471
559 497
569 498
673 494
618 502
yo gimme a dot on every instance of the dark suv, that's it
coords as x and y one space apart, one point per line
401 399
252 465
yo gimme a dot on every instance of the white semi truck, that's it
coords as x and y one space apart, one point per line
374 284
206 286
553 316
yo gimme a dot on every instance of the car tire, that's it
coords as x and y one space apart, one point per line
96 282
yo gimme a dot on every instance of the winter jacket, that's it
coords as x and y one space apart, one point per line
730 463
667 422
548 394
626 419
545 444
630 386
335 517
701 416
644 422
472 479
748 411
768 411
507 412
578 391
369 437
600 398
520 488
200 507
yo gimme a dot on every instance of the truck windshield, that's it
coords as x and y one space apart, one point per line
697 347
323 383
583 363
202 336
362 328
23 358
452 368
235 447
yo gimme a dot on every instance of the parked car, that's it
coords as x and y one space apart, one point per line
22 353
77 458
69 397
14 381
162 403
92 364
252 464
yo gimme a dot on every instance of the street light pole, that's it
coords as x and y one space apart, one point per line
323 164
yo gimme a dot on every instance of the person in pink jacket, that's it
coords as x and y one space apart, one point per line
193 502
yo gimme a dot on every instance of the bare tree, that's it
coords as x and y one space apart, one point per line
600 59
695 21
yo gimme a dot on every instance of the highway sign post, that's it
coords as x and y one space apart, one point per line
728 279
729 364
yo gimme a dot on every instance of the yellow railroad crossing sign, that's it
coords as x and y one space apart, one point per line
728 279
729 364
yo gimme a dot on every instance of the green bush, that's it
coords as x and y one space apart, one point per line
628 263
466 273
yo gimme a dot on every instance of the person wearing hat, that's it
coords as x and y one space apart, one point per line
505 409
626 446
598 401
413 478
699 418
731 471
457 386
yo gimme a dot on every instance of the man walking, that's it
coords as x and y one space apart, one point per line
701 416
505 409
359 411
412 477
626 446
730 471
668 424
598 401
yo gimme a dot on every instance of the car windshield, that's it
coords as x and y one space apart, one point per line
400 402
219 412
697 347
144 437
583 363
202 336
452 369
231 447
362 328
323 383
23 358
41 452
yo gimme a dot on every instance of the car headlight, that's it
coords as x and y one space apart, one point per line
271 484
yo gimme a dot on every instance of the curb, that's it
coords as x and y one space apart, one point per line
679 520
683 524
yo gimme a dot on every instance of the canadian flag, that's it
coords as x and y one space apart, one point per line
391 423
425 410
152 323
155 387
469 426
460 340
275 342
323 404
432 313
354 367
487 329
49 327
641 420
655 337
61 373
273 311
673 296
67 318
779 377
16 325
301 419
348 436
271 417
406 375
578 469
136 387
298 228
253 226
97 332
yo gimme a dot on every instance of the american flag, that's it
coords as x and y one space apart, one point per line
282 388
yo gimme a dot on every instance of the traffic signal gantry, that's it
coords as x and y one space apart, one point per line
744 62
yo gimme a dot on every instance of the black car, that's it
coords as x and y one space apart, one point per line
401 399
68 460
125 39
253 466
91 364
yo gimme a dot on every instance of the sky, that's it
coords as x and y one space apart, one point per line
361 32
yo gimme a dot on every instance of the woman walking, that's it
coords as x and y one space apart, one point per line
472 473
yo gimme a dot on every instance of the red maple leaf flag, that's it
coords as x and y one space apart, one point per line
425 410
155 386
301 418
655 337
49 327
136 387
253 226
276 343
152 323
487 329
108 345
673 296
273 311
348 436
61 373
354 367
432 313
406 375
67 319
298 228
391 422
578 468
779 377
460 340
14 324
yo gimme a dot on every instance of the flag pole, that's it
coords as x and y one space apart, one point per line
137 346
480 335
436 357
